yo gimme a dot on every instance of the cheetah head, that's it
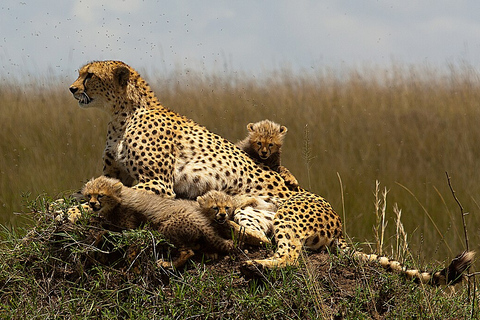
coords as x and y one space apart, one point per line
216 206
101 83
103 194
265 149
266 138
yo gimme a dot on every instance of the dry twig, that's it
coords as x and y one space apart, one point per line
462 212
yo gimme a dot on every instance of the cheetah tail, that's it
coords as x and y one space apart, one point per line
450 275
453 274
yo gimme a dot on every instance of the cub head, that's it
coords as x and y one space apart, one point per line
103 194
266 137
216 206
102 83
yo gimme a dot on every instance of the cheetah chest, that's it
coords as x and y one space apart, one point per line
118 151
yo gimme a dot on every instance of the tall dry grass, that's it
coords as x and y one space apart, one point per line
403 126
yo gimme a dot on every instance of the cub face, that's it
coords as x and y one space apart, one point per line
103 194
266 138
216 206
264 148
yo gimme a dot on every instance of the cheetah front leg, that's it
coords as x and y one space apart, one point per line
149 175
289 178
248 236
185 254
112 169
150 181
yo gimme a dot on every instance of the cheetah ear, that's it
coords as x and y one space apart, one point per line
283 129
200 200
121 75
250 127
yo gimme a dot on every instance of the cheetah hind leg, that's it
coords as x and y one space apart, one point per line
287 254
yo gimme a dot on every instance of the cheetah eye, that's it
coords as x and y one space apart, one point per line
270 145
259 144
88 77
215 209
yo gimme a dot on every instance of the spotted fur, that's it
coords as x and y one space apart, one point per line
157 150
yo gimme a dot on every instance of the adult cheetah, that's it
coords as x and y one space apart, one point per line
170 155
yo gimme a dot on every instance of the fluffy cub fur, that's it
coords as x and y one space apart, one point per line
180 221
264 145
219 207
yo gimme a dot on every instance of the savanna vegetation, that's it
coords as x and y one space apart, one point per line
405 126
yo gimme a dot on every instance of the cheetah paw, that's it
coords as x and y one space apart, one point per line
248 236
73 213
164 264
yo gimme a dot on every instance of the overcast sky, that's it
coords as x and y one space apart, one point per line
248 36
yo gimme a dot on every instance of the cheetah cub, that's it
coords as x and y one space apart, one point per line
180 221
264 145
217 206
220 209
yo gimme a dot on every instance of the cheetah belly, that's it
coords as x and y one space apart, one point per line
192 179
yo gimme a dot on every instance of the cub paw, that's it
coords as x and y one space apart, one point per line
164 264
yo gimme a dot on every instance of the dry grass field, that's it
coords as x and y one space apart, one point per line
404 126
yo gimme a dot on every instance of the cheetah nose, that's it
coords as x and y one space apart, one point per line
73 89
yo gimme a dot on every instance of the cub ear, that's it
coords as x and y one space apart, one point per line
250 127
118 186
283 129
200 200
121 75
